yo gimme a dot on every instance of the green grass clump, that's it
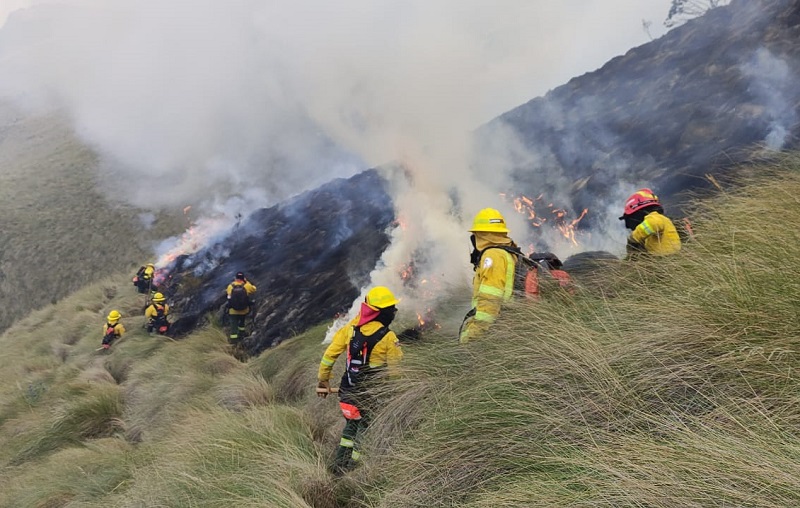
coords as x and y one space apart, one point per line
678 390
60 231
661 383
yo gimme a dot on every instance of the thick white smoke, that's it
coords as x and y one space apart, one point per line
772 78
203 99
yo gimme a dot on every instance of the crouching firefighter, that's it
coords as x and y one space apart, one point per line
112 330
156 314
652 232
371 347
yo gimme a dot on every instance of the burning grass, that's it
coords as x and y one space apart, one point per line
677 390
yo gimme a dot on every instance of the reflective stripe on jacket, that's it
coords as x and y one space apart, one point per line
492 284
658 235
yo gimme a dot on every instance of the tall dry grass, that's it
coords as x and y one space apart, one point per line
677 390
672 383
60 231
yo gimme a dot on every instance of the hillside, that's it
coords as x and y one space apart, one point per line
59 230
663 115
692 103
698 100
660 384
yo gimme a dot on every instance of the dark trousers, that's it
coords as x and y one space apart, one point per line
348 454
236 323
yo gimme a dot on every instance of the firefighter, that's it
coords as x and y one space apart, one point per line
113 329
240 298
494 266
143 280
371 349
156 314
651 231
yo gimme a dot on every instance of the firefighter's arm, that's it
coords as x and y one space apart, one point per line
651 225
150 312
489 297
250 288
119 329
334 349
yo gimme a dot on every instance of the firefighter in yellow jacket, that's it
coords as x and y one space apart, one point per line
112 329
240 298
651 231
493 282
371 348
156 314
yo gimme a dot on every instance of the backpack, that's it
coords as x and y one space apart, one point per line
239 299
358 352
159 322
111 333
139 276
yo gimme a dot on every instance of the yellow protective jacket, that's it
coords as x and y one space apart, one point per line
657 234
250 288
387 352
151 312
119 330
492 284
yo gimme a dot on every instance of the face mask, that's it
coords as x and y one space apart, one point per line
475 255
387 315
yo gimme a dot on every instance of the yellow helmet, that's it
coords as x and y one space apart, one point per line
489 220
114 315
158 298
151 264
380 297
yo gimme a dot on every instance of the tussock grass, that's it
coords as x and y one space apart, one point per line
60 231
262 457
661 383
677 391
72 476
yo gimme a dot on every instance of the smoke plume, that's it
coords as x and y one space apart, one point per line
200 102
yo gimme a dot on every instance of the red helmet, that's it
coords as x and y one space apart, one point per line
638 200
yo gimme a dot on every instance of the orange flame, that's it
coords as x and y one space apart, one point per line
557 216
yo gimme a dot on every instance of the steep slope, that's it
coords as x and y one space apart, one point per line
308 257
695 101
58 231
568 402
691 103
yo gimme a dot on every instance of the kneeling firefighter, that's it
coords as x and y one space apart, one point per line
371 347
651 231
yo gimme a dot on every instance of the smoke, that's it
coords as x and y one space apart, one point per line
192 102
772 83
